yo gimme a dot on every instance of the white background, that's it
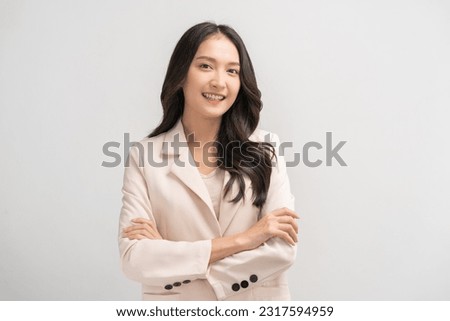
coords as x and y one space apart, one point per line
75 75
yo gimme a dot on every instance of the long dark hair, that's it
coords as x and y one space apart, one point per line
235 152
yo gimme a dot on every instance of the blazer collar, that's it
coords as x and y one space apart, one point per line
183 167
174 139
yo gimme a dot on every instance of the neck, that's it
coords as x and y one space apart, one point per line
203 131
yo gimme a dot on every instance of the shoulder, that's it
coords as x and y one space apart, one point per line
152 140
261 135
148 142
147 147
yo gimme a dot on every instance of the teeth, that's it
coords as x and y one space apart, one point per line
214 97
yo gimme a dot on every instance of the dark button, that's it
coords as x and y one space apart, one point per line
253 278
235 287
177 284
186 281
168 287
244 284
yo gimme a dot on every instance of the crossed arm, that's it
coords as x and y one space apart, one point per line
279 223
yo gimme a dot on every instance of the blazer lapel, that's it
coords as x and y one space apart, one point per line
183 165
229 209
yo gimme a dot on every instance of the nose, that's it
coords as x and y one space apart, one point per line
218 80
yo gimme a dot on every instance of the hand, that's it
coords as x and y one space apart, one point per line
143 229
279 223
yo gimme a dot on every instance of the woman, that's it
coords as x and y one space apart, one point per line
207 210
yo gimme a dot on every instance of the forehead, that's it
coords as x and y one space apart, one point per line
218 47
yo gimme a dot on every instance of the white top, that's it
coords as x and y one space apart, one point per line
214 184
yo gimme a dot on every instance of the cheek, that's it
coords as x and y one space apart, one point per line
192 79
189 87
236 88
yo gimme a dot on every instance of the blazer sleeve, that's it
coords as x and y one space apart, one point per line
241 271
154 262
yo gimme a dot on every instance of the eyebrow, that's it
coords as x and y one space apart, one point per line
233 63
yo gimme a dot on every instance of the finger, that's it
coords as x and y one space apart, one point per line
150 232
155 235
136 237
139 230
285 211
290 230
290 212
152 225
138 227
135 227
289 220
139 233
132 228
148 222
285 237
141 220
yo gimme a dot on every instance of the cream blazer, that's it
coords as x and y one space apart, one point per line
161 183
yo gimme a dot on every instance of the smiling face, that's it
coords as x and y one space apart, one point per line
212 82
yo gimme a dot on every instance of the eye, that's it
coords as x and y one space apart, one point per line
233 71
205 66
